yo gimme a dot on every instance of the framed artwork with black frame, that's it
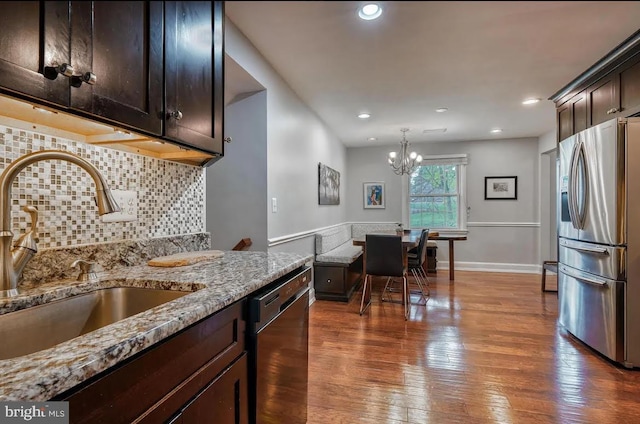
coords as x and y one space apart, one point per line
500 188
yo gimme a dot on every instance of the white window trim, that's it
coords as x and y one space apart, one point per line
456 159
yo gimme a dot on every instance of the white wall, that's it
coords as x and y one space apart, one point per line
237 184
503 234
296 141
547 149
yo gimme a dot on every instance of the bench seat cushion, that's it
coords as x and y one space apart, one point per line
344 254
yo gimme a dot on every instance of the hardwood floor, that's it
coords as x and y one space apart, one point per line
486 349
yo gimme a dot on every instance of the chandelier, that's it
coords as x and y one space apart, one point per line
406 162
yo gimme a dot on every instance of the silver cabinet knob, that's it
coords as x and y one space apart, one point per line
89 78
177 115
612 110
65 70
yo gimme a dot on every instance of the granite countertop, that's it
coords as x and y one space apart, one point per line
219 282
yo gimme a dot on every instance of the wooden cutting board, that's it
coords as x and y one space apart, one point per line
185 258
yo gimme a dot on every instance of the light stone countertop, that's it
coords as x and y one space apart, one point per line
220 282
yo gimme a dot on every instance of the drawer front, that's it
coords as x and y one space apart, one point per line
608 261
329 279
591 308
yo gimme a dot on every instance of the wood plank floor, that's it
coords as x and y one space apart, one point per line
486 349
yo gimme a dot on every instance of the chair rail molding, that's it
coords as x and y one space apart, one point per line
503 224
274 241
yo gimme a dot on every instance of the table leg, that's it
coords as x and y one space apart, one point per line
451 267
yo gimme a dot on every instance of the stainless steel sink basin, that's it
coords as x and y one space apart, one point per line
44 326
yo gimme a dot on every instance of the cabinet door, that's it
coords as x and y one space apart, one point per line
565 121
194 74
34 41
223 401
120 44
630 89
603 100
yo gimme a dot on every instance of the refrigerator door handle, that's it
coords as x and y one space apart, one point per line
581 162
570 187
590 280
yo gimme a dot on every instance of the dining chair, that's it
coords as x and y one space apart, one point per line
416 258
384 259
416 265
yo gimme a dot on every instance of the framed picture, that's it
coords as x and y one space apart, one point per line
500 188
328 185
374 195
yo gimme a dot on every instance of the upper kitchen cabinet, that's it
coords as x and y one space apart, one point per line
34 47
116 52
608 89
194 53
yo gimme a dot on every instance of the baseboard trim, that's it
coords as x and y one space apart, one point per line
491 267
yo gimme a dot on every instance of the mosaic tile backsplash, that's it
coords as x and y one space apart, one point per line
170 196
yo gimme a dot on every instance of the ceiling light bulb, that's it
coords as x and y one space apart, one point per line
419 158
364 115
530 101
442 109
413 155
392 155
370 11
496 130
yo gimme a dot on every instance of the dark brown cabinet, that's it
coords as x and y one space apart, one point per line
194 73
153 67
609 89
223 401
34 42
603 100
117 52
198 372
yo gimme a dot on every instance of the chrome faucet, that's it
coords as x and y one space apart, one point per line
13 260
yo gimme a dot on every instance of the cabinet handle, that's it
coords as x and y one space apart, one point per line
65 70
88 78
612 110
177 115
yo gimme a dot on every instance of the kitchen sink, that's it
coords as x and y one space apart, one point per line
41 327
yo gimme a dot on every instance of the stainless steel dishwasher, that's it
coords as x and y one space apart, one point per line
278 339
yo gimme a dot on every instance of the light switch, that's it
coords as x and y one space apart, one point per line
274 205
128 202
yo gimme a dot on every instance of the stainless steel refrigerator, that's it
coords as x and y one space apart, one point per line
599 238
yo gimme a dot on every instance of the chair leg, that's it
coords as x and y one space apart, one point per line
405 290
363 307
420 282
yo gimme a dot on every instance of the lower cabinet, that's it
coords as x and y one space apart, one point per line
198 375
224 400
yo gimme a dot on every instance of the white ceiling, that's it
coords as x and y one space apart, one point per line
479 59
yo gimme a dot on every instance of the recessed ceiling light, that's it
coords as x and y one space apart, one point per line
372 139
442 109
496 130
364 115
434 130
530 101
370 11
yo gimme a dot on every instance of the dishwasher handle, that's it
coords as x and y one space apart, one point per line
268 304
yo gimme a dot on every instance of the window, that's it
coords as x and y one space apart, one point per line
436 196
